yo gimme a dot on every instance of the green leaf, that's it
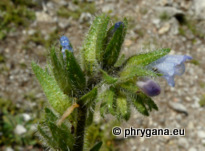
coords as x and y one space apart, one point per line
50 116
97 146
62 137
103 108
108 79
149 102
129 86
57 99
120 61
140 106
113 48
60 73
131 72
146 58
102 30
88 97
48 139
122 107
75 73
88 52
90 113
110 99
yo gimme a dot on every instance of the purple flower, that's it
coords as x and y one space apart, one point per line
65 43
149 87
169 66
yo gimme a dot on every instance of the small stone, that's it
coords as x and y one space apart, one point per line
169 11
178 107
192 149
182 142
43 17
26 117
9 149
203 141
63 24
199 8
156 22
164 29
31 32
72 7
108 8
85 17
128 42
201 134
20 129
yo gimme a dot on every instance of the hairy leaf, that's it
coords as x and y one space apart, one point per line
102 30
75 73
60 73
131 72
89 48
113 47
97 146
57 99
146 58
108 79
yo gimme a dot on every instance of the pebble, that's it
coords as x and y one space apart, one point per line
164 29
182 142
9 149
26 117
85 17
203 141
64 23
20 129
192 149
169 11
43 17
201 134
178 107
199 8
108 8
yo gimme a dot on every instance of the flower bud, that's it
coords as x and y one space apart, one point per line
149 87
65 43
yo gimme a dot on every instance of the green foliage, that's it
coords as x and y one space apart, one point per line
10 117
123 109
146 58
113 43
96 147
91 65
75 73
57 99
55 134
106 81
15 13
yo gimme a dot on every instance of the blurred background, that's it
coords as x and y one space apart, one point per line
29 27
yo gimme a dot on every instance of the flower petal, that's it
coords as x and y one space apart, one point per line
169 66
170 80
179 69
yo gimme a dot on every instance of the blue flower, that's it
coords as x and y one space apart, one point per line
169 66
65 43
149 87
117 25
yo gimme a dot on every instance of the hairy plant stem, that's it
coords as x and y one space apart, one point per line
80 129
